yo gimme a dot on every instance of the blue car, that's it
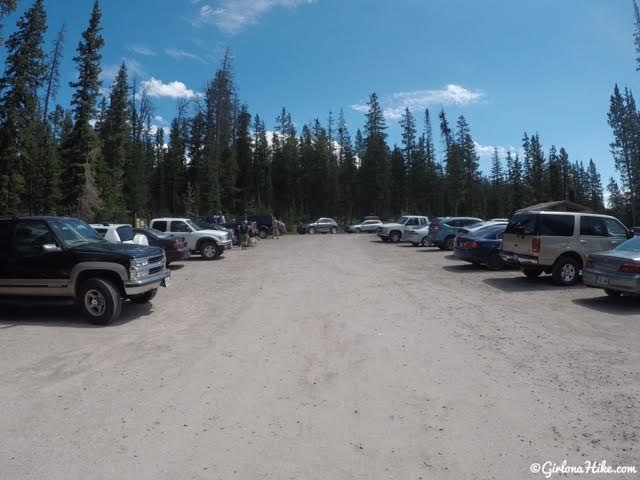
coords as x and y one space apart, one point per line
442 232
481 247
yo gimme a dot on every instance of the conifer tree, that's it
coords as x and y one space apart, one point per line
21 167
246 174
374 175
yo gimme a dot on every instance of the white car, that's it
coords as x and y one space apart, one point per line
417 236
368 226
119 233
209 243
395 232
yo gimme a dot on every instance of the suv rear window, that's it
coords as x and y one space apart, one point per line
593 227
126 234
557 225
523 224
161 225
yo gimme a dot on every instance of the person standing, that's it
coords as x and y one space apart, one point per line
275 229
244 234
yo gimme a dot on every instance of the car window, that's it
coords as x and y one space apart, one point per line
179 227
160 225
615 228
412 222
423 221
523 224
125 233
101 231
593 227
631 245
557 225
470 221
30 236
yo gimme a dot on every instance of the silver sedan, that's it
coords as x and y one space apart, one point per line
616 271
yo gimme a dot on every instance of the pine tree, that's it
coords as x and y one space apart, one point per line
117 148
554 172
636 33
412 170
348 171
175 170
496 204
21 168
80 147
595 197
374 172
618 205
261 165
246 174
6 7
398 182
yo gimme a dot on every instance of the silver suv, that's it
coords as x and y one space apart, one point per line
209 243
558 242
396 232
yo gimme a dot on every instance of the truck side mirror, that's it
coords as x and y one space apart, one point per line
50 248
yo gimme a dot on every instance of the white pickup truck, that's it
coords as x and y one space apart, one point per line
208 243
396 231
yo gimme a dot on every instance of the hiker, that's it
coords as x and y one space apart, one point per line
275 229
244 234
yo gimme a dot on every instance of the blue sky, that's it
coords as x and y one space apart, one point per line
545 66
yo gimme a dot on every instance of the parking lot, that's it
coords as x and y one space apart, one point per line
324 357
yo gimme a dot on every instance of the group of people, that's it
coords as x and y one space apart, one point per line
244 231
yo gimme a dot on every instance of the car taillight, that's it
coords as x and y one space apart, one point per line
629 268
177 245
589 263
436 228
535 245
471 245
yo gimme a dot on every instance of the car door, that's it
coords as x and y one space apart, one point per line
594 236
34 268
412 223
617 232
323 225
179 228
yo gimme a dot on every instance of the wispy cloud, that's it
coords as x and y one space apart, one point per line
394 105
232 16
158 89
142 50
134 69
179 54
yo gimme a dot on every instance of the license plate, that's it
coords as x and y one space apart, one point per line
603 281
166 282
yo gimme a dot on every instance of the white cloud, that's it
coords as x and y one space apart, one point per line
178 54
395 104
487 150
142 50
232 16
134 69
158 89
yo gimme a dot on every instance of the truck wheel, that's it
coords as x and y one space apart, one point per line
565 271
209 251
145 297
263 234
395 237
100 301
532 272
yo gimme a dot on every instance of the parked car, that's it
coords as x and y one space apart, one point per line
367 226
418 236
616 271
395 232
175 248
264 224
442 234
210 244
478 226
118 233
481 246
322 225
64 257
559 242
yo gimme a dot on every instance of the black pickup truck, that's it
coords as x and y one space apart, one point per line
57 257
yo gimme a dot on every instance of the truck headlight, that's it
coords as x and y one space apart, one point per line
139 263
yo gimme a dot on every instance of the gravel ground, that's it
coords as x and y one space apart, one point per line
329 358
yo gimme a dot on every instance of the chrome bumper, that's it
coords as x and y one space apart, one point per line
138 287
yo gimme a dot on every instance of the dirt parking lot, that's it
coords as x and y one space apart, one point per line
325 357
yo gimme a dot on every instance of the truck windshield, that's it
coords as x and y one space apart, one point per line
402 220
195 226
75 232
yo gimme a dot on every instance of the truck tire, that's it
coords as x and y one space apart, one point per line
263 234
565 272
100 301
145 297
209 250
